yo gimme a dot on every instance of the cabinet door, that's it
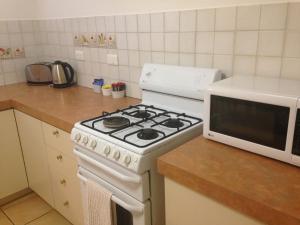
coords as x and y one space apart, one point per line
35 155
12 170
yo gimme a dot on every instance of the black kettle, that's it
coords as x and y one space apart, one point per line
62 74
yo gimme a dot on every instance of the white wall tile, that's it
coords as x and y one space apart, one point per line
121 40
292 44
206 19
133 58
268 66
123 57
225 18
124 73
8 66
186 59
60 25
13 27
244 65
270 43
144 23
273 16
171 42
82 25
26 26
171 21
205 42
293 16
224 63
4 40
157 22
145 57
157 41
204 61
188 21
110 23
132 41
187 42
135 73
223 42
248 17
131 23
144 41
3 27
291 68
172 58
246 42
16 40
120 23
158 57
100 24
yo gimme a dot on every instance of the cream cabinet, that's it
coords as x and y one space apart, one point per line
185 206
12 169
63 167
35 155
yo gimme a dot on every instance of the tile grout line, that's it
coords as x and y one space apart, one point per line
1 210
38 217
284 40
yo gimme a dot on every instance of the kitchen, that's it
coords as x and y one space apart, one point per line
56 143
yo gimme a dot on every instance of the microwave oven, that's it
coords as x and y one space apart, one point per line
257 114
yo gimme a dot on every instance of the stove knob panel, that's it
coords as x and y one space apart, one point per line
77 137
107 150
127 159
93 144
117 155
85 140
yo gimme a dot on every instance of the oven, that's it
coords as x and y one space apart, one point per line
130 191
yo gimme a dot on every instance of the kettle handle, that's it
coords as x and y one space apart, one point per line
70 75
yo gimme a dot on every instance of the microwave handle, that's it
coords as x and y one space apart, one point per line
133 179
130 208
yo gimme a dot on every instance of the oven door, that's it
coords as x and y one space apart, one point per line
126 209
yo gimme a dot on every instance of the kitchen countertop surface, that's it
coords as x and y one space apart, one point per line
262 188
59 107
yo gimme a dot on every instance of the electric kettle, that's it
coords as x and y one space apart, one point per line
62 74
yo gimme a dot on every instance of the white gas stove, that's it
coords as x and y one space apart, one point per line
119 149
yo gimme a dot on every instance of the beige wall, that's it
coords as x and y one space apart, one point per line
17 9
79 8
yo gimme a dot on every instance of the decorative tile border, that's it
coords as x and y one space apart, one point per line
95 40
10 53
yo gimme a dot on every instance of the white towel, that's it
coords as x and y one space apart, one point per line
99 204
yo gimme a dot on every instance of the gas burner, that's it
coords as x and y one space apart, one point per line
141 114
173 123
147 134
116 122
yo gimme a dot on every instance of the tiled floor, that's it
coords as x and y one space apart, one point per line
30 210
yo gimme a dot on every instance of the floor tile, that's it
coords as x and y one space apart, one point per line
50 218
26 209
4 220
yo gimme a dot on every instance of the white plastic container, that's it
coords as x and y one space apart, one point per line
118 94
106 91
97 88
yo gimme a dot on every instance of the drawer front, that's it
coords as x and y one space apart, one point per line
58 139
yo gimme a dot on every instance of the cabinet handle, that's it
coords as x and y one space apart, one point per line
66 203
59 157
55 133
63 181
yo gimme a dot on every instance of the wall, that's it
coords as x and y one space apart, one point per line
16 9
78 8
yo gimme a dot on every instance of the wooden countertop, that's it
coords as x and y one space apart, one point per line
59 107
262 188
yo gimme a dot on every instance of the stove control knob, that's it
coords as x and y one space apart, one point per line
127 160
85 140
107 150
93 144
117 155
77 137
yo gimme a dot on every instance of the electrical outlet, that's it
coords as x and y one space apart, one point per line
79 55
112 59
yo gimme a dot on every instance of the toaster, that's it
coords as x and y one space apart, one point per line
39 73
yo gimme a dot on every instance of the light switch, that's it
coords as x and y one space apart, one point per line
112 59
79 55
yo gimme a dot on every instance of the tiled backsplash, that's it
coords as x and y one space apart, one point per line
246 40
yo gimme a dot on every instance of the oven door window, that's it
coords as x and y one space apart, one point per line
122 216
296 141
256 122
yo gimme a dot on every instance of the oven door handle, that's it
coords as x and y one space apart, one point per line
131 208
129 179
